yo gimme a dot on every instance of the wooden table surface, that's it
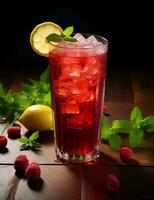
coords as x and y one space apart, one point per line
125 88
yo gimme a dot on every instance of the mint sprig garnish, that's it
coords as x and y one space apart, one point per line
68 31
54 37
30 142
135 128
65 36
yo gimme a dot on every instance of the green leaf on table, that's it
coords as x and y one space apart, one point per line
23 140
121 126
24 147
70 39
136 117
148 124
105 130
115 141
68 31
135 137
2 92
30 142
34 136
35 145
54 37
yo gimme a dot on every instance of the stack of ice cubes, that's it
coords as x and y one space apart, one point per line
89 44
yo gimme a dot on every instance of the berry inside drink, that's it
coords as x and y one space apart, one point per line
78 72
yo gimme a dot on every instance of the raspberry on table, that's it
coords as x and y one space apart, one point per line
112 183
21 162
33 171
14 132
126 153
3 141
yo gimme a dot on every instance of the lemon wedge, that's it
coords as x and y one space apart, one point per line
37 118
38 37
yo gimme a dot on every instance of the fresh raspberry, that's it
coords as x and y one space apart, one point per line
14 132
3 141
21 162
126 153
112 183
105 110
33 171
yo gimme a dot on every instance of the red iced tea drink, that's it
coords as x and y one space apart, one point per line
78 74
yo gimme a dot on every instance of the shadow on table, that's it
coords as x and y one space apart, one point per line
36 184
4 150
45 137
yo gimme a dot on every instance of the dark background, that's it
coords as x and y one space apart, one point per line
128 26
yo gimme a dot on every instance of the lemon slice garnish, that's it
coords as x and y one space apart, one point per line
38 37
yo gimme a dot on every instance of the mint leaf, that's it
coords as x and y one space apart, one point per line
30 142
26 88
148 124
2 93
115 141
22 100
64 36
135 137
34 136
68 31
136 117
54 37
35 145
70 39
105 128
121 126
47 99
24 147
23 140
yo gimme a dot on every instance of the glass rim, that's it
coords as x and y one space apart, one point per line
98 37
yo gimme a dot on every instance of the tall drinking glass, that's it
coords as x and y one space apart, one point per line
78 85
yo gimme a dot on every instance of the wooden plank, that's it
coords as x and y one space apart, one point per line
118 85
61 182
44 156
121 110
135 183
93 183
143 85
8 182
56 182
142 156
